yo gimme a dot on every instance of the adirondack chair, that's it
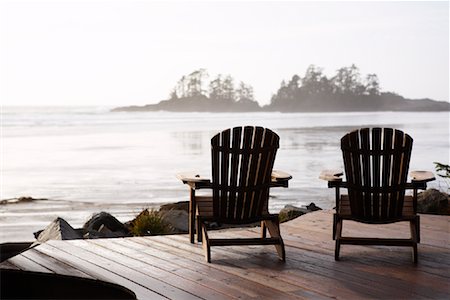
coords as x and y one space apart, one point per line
242 162
376 163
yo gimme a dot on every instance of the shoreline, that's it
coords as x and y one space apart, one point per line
18 221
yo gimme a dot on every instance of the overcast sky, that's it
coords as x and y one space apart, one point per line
134 52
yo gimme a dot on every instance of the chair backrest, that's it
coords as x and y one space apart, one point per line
242 162
376 163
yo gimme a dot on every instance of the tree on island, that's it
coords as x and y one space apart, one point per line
191 85
220 95
316 92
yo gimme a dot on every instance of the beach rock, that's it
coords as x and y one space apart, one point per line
37 233
312 207
182 205
20 200
107 220
178 220
434 202
290 212
59 229
104 232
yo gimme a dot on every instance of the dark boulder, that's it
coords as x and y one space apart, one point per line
433 201
182 205
106 220
178 220
59 229
290 212
312 207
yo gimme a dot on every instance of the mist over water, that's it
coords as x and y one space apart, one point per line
91 157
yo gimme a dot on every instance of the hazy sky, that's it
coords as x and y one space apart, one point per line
134 52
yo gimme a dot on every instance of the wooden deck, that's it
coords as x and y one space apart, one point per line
170 267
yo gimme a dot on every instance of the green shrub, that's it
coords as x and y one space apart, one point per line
149 223
444 172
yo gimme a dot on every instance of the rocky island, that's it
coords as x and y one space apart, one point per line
314 92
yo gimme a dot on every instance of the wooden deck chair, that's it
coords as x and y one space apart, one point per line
242 162
376 163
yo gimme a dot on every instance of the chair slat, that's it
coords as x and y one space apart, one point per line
356 168
376 160
271 141
224 165
243 173
367 180
254 161
386 170
395 176
234 171
215 143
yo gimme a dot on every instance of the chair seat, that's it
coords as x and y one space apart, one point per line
344 207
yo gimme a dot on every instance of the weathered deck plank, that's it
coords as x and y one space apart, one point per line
171 267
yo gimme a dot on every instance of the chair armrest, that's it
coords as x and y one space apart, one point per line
331 175
421 176
280 178
419 180
194 180
280 175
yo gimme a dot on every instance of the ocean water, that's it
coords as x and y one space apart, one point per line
94 159
90 154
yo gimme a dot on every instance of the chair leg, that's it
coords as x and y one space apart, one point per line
199 231
415 256
273 226
206 246
337 248
263 230
415 236
334 226
418 228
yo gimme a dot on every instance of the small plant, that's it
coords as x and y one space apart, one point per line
445 172
149 222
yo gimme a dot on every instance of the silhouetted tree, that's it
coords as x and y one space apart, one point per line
348 81
173 94
216 88
195 83
244 92
228 89
315 82
372 84
181 87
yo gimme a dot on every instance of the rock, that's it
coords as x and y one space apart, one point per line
182 205
59 229
178 219
37 233
290 212
103 232
434 202
312 207
105 219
